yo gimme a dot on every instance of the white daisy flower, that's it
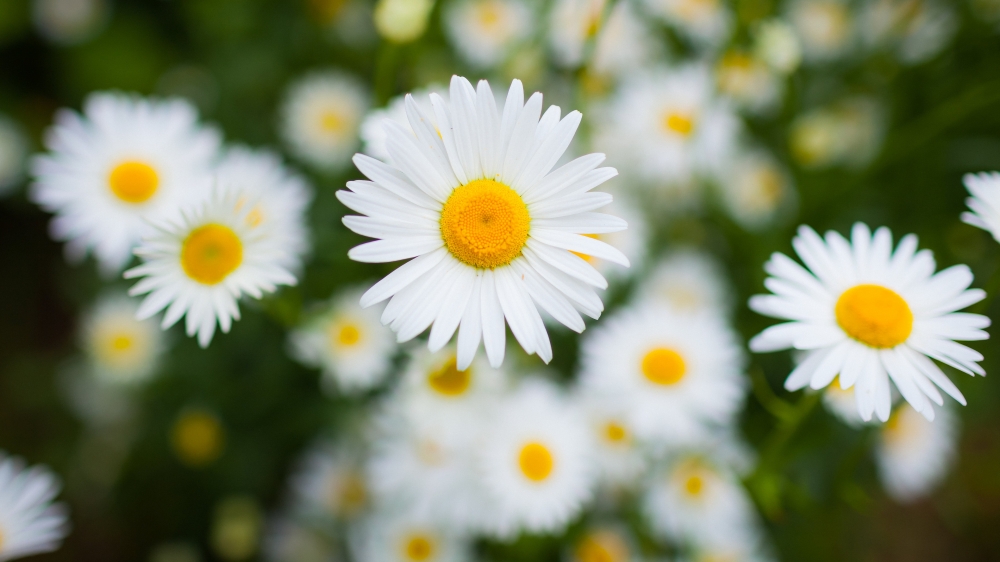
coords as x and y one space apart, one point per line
347 342
669 127
13 153
29 522
695 496
870 315
825 28
124 163
603 544
70 22
620 459
757 190
915 29
748 81
202 263
624 44
984 203
537 461
680 375
320 118
913 455
689 282
572 23
399 537
706 22
120 349
282 197
485 31
491 228
330 484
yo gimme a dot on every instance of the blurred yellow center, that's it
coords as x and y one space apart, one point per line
485 224
448 380
332 122
197 438
874 315
489 14
133 182
536 462
602 546
348 495
210 253
663 366
694 485
121 342
678 123
348 335
418 547
615 432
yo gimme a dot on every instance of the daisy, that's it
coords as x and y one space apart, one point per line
669 126
916 30
825 28
347 342
320 118
403 538
775 43
197 437
706 22
282 197
624 45
748 81
491 226
485 31
329 483
536 462
29 522
402 21
870 315
13 153
572 23
124 163
757 190
120 349
848 132
202 263
70 22
620 459
679 374
984 203
912 454
603 544
689 282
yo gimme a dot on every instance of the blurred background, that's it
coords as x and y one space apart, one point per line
922 108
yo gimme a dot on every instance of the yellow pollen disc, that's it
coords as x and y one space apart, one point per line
348 335
663 366
874 315
332 122
489 14
615 432
210 253
348 495
736 60
121 342
694 485
418 547
448 380
197 438
602 546
678 123
536 462
485 224
133 182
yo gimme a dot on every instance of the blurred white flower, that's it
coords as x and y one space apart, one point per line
70 22
329 484
120 349
603 543
913 455
126 162
537 462
490 226
775 43
320 117
624 44
680 375
757 190
869 314
397 537
13 154
348 342
402 21
825 28
748 81
485 31
282 198
848 132
201 264
984 203
29 522
689 282
572 23
288 540
620 457
915 30
706 22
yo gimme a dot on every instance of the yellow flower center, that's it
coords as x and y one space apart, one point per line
448 380
694 485
678 123
615 432
332 122
210 253
133 182
489 14
663 366
602 546
121 342
418 547
485 224
346 335
874 315
348 495
197 438
536 462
